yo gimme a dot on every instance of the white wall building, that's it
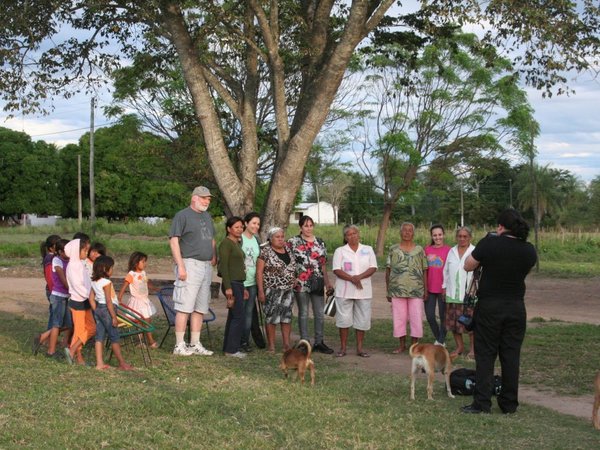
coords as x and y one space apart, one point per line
321 213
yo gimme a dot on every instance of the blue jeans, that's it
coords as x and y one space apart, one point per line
58 312
248 310
234 327
104 326
318 304
439 331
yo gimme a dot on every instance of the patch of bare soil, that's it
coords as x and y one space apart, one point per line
571 300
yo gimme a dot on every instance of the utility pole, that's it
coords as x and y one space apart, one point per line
92 187
79 199
462 206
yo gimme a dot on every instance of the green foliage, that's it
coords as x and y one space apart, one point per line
29 181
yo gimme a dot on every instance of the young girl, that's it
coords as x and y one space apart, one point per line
48 250
96 249
138 284
102 300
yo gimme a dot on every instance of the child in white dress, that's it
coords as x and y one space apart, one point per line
137 281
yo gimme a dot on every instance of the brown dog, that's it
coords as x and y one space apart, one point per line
595 418
431 358
299 358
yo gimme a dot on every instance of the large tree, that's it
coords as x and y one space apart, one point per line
30 171
229 51
441 107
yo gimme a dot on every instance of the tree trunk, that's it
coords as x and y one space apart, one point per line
383 227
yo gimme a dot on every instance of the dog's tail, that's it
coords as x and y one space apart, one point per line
411 351
305 345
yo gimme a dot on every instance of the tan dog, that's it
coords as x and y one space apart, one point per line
595 418
431 358
299 358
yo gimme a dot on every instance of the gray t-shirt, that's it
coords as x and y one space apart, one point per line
196 232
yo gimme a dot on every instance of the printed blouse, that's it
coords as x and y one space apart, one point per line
310 258
277 274
406 272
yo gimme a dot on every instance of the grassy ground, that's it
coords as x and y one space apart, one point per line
219 403
562 253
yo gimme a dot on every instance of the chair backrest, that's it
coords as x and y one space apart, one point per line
165 295
131 322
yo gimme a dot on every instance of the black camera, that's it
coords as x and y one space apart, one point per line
466 320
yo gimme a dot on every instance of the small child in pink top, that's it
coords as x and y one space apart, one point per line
138 284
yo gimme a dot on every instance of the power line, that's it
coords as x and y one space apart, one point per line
74 129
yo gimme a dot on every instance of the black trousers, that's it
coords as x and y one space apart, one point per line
499 332
234 327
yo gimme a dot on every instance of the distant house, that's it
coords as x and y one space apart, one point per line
37 221
321 213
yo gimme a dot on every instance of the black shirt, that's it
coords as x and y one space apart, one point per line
506 261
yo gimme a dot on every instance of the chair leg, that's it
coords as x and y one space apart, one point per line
165 336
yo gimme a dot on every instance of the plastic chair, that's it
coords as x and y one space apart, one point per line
165 295
132 325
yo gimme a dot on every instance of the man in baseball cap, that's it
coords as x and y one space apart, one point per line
192 242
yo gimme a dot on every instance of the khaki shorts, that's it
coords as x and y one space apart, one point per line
354 313
193 294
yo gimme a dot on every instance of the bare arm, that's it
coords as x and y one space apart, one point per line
93 300
109 304
387 283
260 268
214 257
176 252
471 264
122 291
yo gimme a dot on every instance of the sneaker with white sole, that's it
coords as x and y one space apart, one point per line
240 355
198 349
441 344
182 349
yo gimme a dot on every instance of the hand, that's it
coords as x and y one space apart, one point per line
115 322
230 302
261 297
181 273
389 299
246 294
213 261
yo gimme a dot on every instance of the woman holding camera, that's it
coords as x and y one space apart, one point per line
500 317
454 286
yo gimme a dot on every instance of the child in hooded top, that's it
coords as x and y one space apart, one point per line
80 285
103 300
139 287
96 249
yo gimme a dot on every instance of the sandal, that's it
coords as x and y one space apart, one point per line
363 355
340 354
399 350
455 354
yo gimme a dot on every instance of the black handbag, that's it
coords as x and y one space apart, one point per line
316 284
466 319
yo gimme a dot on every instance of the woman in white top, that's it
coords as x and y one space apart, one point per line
353 265
456 280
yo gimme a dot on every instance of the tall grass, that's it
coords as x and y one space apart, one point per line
561 252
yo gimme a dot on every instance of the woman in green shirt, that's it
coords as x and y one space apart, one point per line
233 274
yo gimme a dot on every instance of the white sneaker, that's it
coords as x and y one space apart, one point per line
182 349
240 355
440 344
198 349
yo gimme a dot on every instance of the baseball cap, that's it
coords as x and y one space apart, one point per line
201 191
